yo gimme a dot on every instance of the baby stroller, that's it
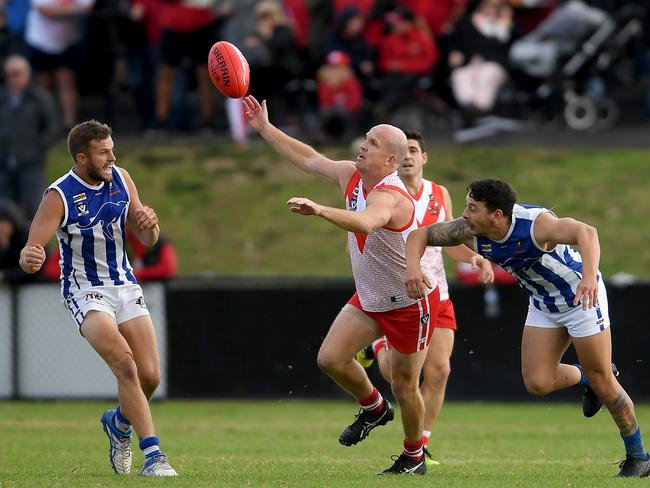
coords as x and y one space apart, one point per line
564 62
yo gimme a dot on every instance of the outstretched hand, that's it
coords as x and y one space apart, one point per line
257 115
303 206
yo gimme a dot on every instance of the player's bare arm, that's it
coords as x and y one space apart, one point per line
449 234
379 212
142 218
550 230
47 220
300 154
462 253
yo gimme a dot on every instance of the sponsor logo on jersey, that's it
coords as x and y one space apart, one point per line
424 319
140 301
79 197
93 296
486 247
396 298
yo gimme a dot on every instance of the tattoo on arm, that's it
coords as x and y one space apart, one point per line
448 233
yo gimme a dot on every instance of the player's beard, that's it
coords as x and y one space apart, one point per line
97 174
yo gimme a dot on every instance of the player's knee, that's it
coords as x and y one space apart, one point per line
404 385
124 367
327 362
537 385
437 373
149 381
603 383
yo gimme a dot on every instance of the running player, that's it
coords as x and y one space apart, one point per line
379 215
433 204
88 208
568 300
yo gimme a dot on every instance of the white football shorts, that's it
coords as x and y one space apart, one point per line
578 322
122 302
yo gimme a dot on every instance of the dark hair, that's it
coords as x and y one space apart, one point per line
496 194
81 135
416 136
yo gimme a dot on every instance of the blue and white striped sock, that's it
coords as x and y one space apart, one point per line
150 446
121 422
634 445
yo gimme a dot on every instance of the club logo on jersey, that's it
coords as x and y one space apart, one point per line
434 207
108 213
82 208
79 197
93 296
140 301
352 204
486 247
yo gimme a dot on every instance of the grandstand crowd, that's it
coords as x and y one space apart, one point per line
326 66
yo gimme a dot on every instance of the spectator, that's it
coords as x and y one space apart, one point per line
96 74
440 15
154 263
272 52
339 95
13 235
54 34
364 6
16 18
188 32
9 42
407 53
479 55
346 34
28 127
140 35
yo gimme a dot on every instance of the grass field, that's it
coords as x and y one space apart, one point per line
294 444
225 207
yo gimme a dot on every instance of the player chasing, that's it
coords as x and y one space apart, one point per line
568 300
379 215
88 208
432 204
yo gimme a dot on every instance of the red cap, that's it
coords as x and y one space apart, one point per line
339 58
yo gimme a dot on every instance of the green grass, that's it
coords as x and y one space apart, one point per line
225 207
294 443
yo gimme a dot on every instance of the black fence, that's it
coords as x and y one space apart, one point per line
259 337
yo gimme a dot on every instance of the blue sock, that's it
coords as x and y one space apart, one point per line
121 422
583 378
634 445
150 446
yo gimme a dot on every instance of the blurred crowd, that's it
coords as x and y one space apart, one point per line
328 67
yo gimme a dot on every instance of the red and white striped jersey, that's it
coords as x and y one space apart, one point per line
429 209
378 259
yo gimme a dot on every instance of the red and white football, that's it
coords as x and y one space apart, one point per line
229 69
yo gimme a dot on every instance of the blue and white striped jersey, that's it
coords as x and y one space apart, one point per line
549 277
92 236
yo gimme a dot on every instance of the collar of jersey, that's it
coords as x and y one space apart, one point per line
76 177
